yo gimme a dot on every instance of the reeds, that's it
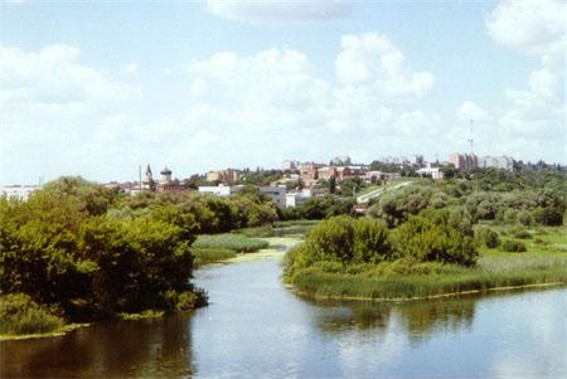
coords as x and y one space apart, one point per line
236 242
493 275
205 256
20 315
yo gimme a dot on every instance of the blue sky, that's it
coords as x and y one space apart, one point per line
97 89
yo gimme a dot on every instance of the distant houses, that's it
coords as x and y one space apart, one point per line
297 182
228 176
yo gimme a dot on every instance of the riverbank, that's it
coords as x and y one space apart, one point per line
543 264
403 288
57 333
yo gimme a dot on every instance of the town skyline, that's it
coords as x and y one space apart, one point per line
98 89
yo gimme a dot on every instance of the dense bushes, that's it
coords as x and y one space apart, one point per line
318 208
526 202
429 241
62 252
396 207
485 236
357 243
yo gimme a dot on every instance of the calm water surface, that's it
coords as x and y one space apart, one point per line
254 327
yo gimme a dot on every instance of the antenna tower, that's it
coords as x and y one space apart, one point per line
471 139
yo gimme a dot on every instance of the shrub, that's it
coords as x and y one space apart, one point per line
523 234
525 218
487 237
428 241
512 246
19 314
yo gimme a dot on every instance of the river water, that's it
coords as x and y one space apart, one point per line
255 327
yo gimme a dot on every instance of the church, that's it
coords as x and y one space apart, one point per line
164 184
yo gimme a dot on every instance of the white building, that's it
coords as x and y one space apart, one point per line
290 165
433 172
277 194
294 199
18 192
220 190
501 162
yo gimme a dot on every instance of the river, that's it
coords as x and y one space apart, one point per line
255 327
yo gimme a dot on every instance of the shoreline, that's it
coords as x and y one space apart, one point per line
59 333
306 294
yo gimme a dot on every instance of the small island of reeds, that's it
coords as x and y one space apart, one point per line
427 256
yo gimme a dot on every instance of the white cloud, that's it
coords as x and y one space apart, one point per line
469 110
276 95
277 12
54 75
373 60
534 27
277 79
198 87
59 114
536 113
130 69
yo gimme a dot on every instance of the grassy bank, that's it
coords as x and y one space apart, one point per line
280 228
222 247
230 241
332 285
544 263
205 256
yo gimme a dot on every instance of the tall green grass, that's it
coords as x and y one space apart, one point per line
333 285
205 256
20 315
237 242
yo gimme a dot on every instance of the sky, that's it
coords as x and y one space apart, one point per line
100 88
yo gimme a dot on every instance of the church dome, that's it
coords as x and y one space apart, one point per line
165 171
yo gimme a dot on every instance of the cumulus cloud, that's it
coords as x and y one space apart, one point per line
277 12
53 106
55 75
276 79
536 28
373 60
469 110
276 94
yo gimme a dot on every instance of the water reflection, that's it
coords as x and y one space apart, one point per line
255 327
417 319
147 348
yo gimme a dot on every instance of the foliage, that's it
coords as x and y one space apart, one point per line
259 177
61 250
512 246
447 281
433 241
397 206
523 234
485 236
544 262
19 314
319 208
356 243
